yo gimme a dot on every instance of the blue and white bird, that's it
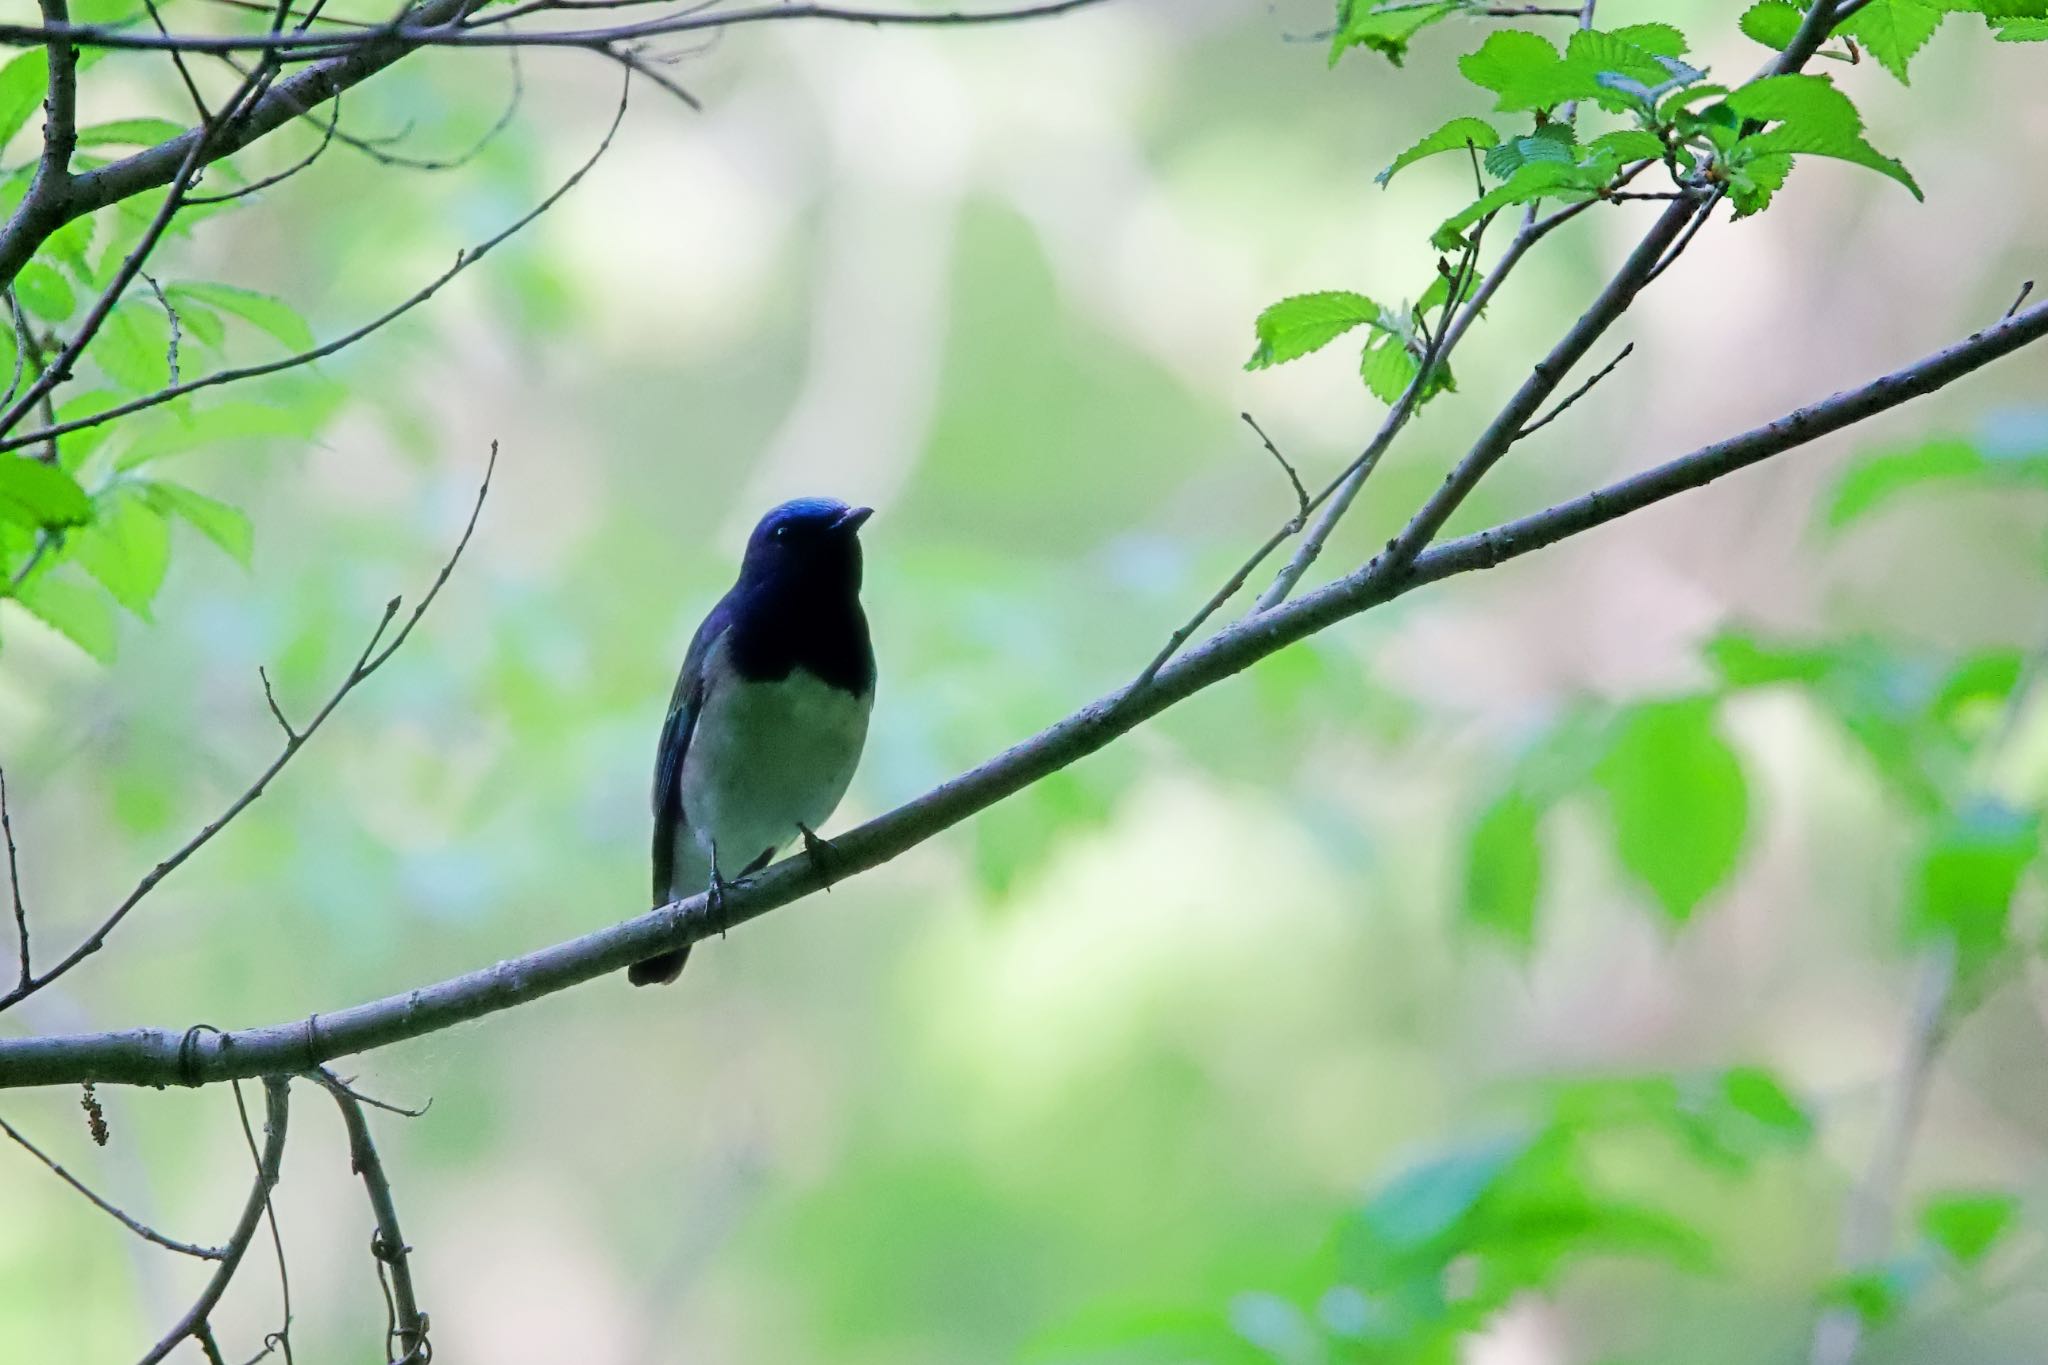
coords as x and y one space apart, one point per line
769 713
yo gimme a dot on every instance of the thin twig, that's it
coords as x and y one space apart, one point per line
277 1103
281 1338
1867 1232
367 664
2025 290
464 259
14 883
171 347
1300 493
1576 394
406 1333
134 1225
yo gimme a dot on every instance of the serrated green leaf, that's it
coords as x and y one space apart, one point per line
1774 23
127 548
1678 801
244 420
38 495
1967 1226
1303 323
1893 31
1388 367
1808 115
1504 870
273 315
2021 31
1626 144
1534 181
1659 40
44 292
1524 71
1385 31
1454 136
225 525
130 132
74 447
80 614
22 82
1549 142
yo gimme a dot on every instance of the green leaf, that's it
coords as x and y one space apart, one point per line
1303 323
1962 889
1774 23
1659 40
1525 71
273 315
1504 870
1388 367
1627 144
22 82
130 132
1549 142
242 420
1454 136
1809 116
38 495
44 292
1893 30
1424 1203
127 548
73 448
1967 1226
1534 181
1359 24
133 346
1759 1096
1678 801
225 525
1874 480
1744 661
80 614
2021 31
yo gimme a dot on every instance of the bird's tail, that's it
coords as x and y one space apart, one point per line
658 970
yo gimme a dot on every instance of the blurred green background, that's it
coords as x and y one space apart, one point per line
1232 1043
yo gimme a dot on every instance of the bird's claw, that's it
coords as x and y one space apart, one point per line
820 853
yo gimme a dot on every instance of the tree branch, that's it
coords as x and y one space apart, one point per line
165 1057
407 1330
134 1225
277 1101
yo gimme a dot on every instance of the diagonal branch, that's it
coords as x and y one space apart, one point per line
407 1330
134 1225
277 1102
367 664
167 1057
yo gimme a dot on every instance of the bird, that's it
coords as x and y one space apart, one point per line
769 714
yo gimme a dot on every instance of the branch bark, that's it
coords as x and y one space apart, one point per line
159 1057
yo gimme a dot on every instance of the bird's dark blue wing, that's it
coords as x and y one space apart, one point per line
683 707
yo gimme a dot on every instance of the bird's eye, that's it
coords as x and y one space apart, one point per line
780 533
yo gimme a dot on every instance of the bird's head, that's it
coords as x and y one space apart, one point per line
807 543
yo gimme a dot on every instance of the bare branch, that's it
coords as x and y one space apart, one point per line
2025 289
169 1057
367 663
1576 394
277 1102
1300 493
1867 1231
14 883
464 259
134 1225
406 1332
434 25
281 1338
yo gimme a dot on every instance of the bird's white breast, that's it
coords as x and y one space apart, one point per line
764 758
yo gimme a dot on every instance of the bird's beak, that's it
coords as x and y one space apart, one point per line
852 519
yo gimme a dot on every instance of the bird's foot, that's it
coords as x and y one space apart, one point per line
820 852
